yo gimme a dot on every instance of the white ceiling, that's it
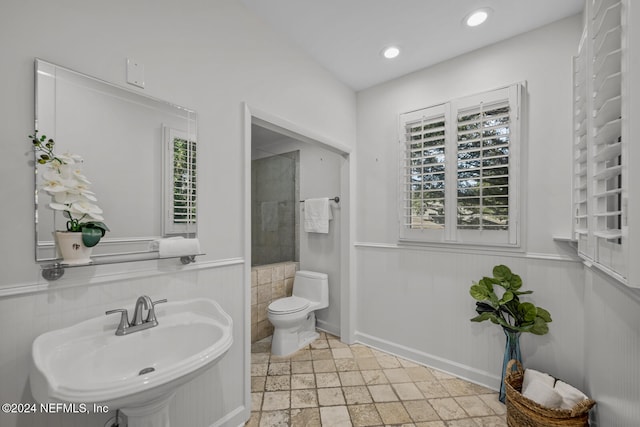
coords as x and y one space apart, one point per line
346 36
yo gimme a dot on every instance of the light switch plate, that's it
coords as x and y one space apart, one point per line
135 73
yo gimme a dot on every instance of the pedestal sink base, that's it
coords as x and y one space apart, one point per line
153 414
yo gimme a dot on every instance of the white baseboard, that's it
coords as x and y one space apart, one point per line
483 378
328 327
237 417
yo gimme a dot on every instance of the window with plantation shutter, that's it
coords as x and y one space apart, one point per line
599 146
180 187
459 170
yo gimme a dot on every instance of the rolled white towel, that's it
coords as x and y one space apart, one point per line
543 394
177 246
532 374
571 396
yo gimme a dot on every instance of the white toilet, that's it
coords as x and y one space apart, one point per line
294 317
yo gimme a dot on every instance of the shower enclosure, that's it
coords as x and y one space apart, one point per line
274 210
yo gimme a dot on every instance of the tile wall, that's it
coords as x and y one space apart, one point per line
268 283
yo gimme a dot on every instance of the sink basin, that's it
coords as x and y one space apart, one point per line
88 363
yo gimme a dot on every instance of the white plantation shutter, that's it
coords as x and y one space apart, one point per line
607 144
580 153
488 138
600 146
607 121
483 168
180 189
459 171
422 211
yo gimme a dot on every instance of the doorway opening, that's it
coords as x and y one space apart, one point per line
284 164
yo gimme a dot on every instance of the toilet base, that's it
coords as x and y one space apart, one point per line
286 341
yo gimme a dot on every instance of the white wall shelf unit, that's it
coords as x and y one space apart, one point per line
54 271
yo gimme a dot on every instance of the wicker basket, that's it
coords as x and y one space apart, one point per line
523 412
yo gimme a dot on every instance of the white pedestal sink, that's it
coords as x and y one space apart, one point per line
136 373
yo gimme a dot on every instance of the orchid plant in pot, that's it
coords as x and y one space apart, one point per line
69 190
498 300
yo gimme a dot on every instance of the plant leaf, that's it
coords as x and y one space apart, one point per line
488 283
515 282
97 224
502 273
508 296
544 314
528 311
482 317
483 307
478 292
91 236
539 327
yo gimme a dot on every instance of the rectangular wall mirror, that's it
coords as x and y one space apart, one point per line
139 155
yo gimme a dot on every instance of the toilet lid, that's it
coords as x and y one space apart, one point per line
288 305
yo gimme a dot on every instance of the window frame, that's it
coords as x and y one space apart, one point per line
450 233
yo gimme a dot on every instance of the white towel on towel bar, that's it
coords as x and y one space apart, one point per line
317 213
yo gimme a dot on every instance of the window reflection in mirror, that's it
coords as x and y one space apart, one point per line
180 190
120 134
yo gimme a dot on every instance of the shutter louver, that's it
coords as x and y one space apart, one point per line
483 167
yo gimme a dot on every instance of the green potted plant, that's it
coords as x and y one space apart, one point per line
498 300
69 190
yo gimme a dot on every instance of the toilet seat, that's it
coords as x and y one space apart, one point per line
288 305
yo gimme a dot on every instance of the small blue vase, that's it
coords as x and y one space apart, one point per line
511 351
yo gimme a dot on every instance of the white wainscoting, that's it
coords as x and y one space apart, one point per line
216 397
612 350
415 302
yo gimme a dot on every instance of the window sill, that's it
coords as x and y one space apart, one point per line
497 247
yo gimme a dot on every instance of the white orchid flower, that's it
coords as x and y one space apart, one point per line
89 195
69 158
86 208
58 206
72 171
63 180
81 189
53 187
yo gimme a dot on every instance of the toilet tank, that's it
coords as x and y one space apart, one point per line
312 286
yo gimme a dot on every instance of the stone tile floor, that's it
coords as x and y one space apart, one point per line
329 383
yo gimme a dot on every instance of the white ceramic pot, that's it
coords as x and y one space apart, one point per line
71 248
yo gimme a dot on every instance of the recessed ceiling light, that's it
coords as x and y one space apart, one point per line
477 17
390 52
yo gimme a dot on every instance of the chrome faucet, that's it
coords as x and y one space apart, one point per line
137 324
145 301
